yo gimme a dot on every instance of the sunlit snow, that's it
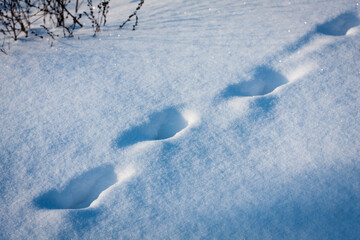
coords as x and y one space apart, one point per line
212 120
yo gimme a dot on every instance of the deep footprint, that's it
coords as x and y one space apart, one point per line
161 125
339 25
81 191
264 81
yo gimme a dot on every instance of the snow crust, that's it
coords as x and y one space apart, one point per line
213 120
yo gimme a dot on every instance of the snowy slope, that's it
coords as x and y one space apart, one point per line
213 120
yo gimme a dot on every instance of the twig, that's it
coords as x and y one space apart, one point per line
134 14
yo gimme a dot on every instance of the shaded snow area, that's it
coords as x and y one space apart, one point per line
212 120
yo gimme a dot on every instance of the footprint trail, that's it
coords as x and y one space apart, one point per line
265 79
83 191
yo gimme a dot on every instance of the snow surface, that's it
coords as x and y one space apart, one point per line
213 120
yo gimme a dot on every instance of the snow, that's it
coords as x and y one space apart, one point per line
214 119
264 81
80 192
162 125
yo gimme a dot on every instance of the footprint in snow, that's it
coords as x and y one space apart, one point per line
81 191
160 125
264 81
339 25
